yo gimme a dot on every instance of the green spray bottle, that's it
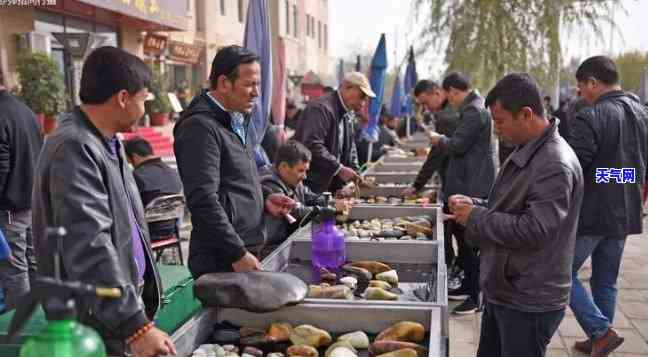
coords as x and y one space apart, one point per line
62 335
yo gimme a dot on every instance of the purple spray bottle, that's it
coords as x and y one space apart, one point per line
328 243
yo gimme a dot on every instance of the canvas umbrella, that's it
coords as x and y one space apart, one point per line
396 106
257 39
377 81
409 82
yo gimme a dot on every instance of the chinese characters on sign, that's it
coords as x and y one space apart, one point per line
171 13
155 44
184 52
606 175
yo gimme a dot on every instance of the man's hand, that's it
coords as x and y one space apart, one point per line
408 192
460 207
434 138
152 343
346 174
279 205
248 263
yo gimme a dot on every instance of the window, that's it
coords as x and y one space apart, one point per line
312 26
287 17
295 22
222 7
307 25
319 34
240 10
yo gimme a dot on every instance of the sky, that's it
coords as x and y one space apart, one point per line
356 25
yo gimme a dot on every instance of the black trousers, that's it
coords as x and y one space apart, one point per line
447 241
468 260
467 255
506 332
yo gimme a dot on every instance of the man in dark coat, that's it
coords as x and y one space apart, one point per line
387 139
526 230
325 127
445 119
471 171
20 143
286 177
216 164
83 184
610 138
154 178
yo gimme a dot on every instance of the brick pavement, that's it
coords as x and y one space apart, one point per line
631 319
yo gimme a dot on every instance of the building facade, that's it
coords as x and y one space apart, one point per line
121 23
304 27
183 36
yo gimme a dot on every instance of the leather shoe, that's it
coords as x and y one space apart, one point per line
602 346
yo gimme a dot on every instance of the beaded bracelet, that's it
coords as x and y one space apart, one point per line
139 333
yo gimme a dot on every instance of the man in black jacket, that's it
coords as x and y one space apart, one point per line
430 95
153 177
325 127
471 171
526 230
83 183
216 164
610 138
20 143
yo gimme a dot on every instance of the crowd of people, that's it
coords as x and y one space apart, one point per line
522 232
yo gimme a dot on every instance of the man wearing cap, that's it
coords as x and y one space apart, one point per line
326 129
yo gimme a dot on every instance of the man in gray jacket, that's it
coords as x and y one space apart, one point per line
83 183
471 171
526 231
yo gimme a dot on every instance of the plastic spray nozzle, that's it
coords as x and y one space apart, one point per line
56 296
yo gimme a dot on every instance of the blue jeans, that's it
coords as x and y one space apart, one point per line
595 313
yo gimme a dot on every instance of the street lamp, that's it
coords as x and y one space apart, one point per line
78 45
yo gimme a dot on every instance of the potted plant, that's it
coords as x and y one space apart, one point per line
160 107
41 88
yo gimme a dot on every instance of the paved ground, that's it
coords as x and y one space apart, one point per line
631 318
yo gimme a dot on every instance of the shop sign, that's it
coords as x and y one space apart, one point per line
184 52
168 13
154 44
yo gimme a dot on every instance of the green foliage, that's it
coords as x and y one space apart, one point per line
489 38
41 84
160 88
631 65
